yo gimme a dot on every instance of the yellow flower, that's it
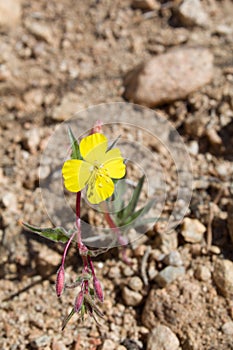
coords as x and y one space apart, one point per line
96 170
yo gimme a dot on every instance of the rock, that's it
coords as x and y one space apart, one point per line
10 13
223 169
173 259
114 272
40 342
131 297
223 276
44 172
131 344
230 219
68 107
32 140
40 30
135 283
224 29
191 13
213 137
215 250
33 98
57 345
227 328
169 274
162 338
169 77
145 4
166 241
9 201
202 273
193 147
192 230
108 344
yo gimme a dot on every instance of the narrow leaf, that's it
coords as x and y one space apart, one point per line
57 234
127 211
141 212
74 145
67 319
113 143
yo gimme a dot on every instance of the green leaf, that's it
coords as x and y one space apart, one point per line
141 211
129 209
132 219
57 234
67 319
74 145
114 143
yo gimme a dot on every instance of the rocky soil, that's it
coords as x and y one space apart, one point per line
58 57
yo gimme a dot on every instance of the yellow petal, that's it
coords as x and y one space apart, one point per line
93 148
112 154
113 164
76 174
99 189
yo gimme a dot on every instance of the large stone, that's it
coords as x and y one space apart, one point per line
131 298
40 30
169 77
191 13
68 108
192 230
173 259
10 13
169 275
223 276
162 338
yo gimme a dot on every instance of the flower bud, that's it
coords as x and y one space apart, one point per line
60 281
79 301
98 290
97 128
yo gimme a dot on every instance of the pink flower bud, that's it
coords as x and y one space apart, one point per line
98 290
97 127
60 281
79 301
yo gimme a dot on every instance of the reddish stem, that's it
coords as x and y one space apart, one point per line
91 266
112 225
66 247
82 248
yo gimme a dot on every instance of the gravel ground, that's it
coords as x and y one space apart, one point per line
57 58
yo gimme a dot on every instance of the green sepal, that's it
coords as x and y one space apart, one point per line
83 311
92 304
57 234
74 145
67 319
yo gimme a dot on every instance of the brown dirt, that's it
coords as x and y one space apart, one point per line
84 54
